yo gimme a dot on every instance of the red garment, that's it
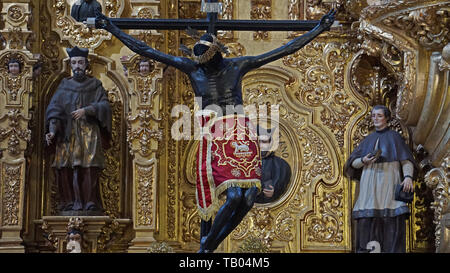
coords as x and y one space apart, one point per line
228 156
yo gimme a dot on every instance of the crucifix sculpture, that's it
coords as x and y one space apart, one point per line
217 81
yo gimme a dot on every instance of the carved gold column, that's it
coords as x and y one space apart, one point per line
437 144
15 102
143 136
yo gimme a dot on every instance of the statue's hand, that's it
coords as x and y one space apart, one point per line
102 22
328 19
49 137
268 192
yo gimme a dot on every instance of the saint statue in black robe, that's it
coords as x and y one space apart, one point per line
78 126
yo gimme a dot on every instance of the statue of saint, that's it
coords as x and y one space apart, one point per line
380 162
78 124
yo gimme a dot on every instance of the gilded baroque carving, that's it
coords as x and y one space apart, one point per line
438 179
160 247
227 13
316 158
171 145
315 9
191 220
108 234
260 223
253 244
110 179
322 68
190 9
145 176
422 216
295 12
428 25
12 178
77 33
16 13
372 80
14 132
51 239
327 225
284 226
75 223
149 86
144 134
261 10
236 50
50 44
17 38
15 87
263 95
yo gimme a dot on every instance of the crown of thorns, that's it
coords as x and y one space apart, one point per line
214 46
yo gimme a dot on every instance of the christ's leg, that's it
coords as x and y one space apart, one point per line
244 207
234 197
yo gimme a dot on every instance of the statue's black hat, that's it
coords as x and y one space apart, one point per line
77 52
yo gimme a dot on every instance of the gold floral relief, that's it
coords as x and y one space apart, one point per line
16 13
111 177
322 69
191 219
15 131
428 24
149 86
145 188
326 225
12 176
141 135
274 230
438 179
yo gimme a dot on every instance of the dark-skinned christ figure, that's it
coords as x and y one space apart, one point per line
227 162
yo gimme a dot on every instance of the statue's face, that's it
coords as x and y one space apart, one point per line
144 68
78 65
14 68
265 142
379 119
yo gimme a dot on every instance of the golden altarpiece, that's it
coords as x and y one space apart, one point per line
395 53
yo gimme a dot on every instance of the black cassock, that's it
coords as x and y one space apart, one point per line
275 172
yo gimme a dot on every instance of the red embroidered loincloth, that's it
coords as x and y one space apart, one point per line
228 156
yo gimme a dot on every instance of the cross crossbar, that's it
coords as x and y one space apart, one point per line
239 25
212 23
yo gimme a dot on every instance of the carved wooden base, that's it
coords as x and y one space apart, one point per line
11 242
141 242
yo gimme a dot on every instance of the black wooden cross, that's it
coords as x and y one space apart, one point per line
212 23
